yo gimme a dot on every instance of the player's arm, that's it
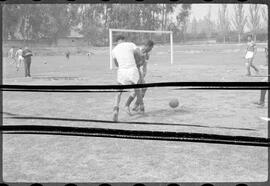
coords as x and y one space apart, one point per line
147 56
137 56
16 54
115 62
23 53
144 69
114 59
255 49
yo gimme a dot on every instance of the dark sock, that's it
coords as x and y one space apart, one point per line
129 100
116 108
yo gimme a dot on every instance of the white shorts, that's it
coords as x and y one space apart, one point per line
127 76
20 58
249 55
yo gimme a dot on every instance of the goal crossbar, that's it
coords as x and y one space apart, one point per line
141 31
137 31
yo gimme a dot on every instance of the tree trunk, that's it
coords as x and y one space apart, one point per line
162 21
163 13
106 15
239 38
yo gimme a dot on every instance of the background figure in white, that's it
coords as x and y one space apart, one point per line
11 55
19 58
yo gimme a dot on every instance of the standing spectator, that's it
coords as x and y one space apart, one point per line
67 54
27 54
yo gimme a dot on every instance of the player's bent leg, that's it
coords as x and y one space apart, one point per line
253 66
143 91
137 105
25 69
262 97
130 98
129 101
261 102
18 65
29 66
248 68
116 107
140 100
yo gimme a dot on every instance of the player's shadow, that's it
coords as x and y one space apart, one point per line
163 113
259 76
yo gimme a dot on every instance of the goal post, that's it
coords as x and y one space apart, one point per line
111 30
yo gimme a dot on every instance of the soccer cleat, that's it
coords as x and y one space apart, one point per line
127 110
260 104
142 110
135 108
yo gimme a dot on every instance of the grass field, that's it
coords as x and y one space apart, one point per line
37 158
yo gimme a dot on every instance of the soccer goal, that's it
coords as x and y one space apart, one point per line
140 33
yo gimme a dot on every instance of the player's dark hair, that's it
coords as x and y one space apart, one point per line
149 43
120 37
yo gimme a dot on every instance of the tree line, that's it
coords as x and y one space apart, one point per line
244 19
37 21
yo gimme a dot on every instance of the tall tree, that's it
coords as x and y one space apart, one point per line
239 20
209 24
265 17
33 21
223 21
254 19
194 27
182 19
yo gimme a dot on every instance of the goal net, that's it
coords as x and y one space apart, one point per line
164 39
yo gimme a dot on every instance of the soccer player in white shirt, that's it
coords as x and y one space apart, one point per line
127 72
250 54
19 57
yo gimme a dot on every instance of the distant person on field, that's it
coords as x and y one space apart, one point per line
250 54
11 55
266 54
67 54
90 53
19 58
27 54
